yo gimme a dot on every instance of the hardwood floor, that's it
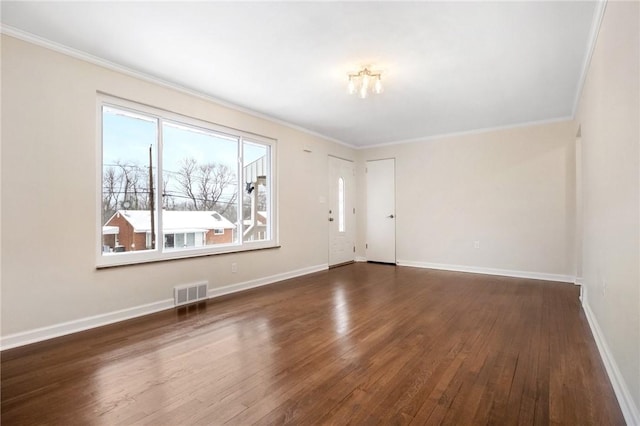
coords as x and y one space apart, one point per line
360 344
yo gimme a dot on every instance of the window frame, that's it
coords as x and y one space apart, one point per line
159 253
341 206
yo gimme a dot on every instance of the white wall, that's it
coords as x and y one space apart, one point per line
49 194
609 119
512 190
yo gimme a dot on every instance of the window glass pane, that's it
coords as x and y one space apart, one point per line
255 200
199 184
129 176
191 239
340 205
179 240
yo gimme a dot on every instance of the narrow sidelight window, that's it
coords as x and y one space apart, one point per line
340 205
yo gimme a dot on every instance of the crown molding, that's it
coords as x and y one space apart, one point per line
469 132
87 57
601 5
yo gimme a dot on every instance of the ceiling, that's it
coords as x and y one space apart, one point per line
448 67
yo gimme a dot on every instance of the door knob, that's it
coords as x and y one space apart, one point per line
330 219
390 216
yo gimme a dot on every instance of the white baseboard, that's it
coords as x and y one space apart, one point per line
69 327
578 281
627 405
489 271
246 285
361 259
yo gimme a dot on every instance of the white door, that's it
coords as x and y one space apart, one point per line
381 211
341 212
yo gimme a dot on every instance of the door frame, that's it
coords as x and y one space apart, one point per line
352 204
367 214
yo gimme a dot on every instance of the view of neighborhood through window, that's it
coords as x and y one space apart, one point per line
201 197
199 186
129 149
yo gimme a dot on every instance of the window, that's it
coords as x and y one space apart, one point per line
169 240
196 187
182 240
340 205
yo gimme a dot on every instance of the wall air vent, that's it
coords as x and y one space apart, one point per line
189 293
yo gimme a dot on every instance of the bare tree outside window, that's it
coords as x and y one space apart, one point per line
204 186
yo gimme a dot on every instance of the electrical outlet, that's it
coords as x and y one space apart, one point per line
476 244
234 267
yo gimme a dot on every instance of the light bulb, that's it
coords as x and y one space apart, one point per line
351 87
377 88
366 80
363 91
364 88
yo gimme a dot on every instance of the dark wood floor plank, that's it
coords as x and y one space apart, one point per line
358 344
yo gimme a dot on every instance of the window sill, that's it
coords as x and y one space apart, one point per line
133 262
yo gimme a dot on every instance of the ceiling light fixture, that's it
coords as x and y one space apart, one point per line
365 81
